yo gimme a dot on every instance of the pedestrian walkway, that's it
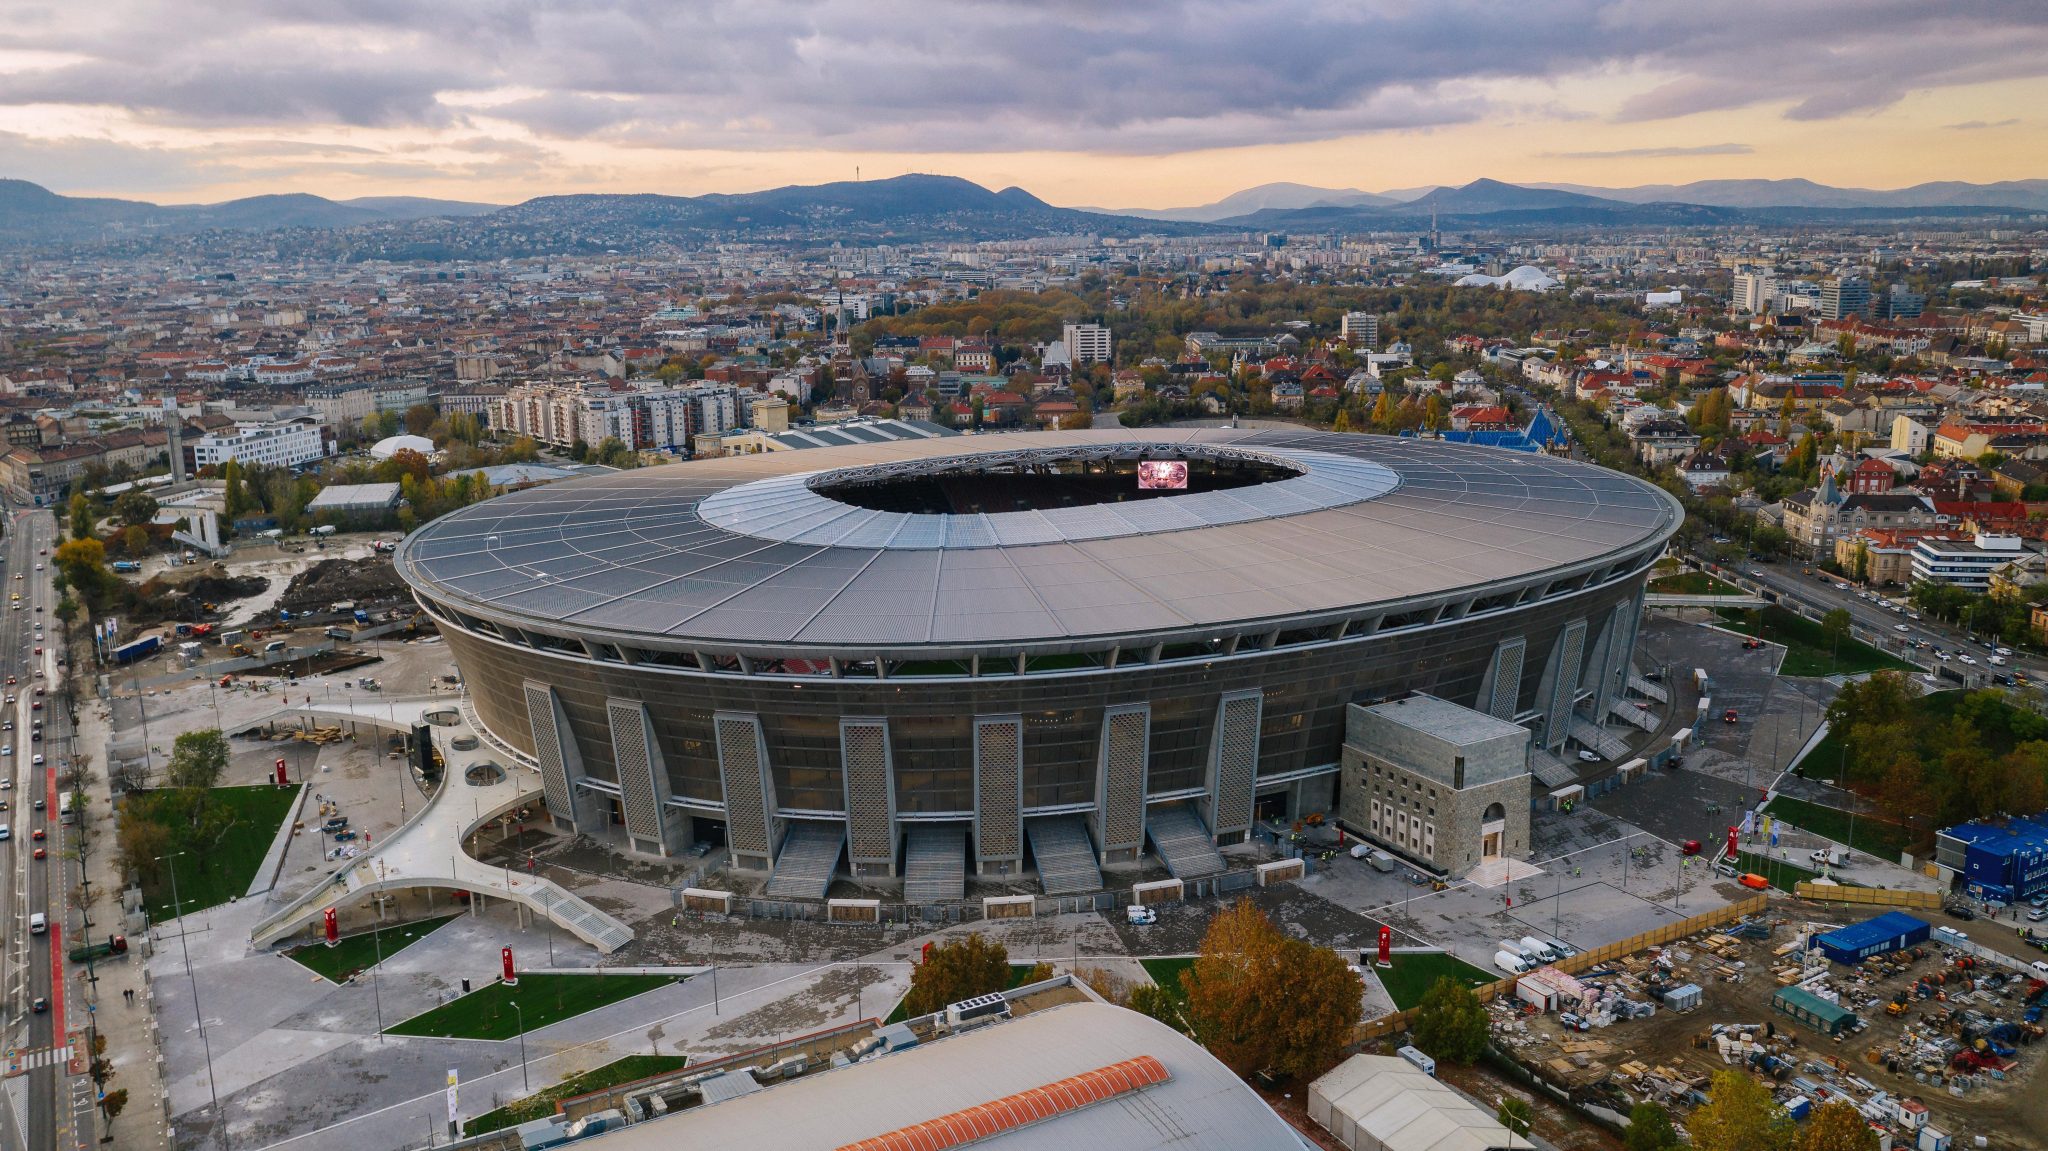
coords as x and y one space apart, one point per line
122 996
430 849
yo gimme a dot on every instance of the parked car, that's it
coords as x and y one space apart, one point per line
1962 911
1138 916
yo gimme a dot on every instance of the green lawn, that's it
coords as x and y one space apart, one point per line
1415 972
1166 973
541 1104
223 868
542 999
1873 836
1020 973
359 952
1692 583
1783 876
1808 650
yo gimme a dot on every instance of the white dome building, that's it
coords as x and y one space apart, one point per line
390 446
1522 279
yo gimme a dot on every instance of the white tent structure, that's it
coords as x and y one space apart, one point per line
390 446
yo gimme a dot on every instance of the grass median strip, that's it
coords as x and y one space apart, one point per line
541 1104
489 1013
359 952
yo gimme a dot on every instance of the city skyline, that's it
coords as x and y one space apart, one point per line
1083 108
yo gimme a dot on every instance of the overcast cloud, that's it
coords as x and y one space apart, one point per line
1009 76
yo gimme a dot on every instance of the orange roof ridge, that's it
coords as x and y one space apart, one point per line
984 1120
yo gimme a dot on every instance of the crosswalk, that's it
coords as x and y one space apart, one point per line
46 1057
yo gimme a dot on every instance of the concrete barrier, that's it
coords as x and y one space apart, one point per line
853 910
1281 871
1009 907
1159 891
701 899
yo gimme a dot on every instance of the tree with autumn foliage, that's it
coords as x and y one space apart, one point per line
960 969
1262 1002
1836 1126
1739 1115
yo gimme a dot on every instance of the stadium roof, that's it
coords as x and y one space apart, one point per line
1164 1092
687 552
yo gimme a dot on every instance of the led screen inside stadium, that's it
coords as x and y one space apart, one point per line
1162 475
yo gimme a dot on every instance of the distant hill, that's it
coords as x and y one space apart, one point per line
1279 195
32 214
904 207
418 207
2028 194
1497 204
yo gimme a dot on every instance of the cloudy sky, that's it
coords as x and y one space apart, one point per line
1117 104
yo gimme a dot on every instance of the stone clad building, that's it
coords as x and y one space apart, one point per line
1443 785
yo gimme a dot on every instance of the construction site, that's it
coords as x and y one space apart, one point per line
1933 1044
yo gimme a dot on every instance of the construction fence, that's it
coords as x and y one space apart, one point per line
1867 896
1399 1021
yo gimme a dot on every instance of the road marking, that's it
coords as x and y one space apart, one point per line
45 1057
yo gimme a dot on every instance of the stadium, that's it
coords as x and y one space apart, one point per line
1027 653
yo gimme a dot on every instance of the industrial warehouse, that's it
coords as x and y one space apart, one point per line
1047 653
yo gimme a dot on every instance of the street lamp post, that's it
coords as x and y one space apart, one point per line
525 1083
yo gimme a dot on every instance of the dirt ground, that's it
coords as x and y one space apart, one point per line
2011 1113
369 583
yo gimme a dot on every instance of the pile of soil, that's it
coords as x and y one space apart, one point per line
157 601
369 583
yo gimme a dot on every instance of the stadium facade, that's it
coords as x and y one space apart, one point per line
989 638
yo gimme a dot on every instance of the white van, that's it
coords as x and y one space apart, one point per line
1509 962
1538 950
37 924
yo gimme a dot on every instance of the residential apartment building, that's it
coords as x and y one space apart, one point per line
1361 330
1086 343
287 444
1753 292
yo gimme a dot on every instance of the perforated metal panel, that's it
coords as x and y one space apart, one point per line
1120 778
998 788
1571 648
549 732
643 778
1507 678
749 793
1234 762
870 791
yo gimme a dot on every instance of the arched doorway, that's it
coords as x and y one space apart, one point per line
1493 831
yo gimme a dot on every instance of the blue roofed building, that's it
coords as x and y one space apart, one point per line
2002 861
1892 931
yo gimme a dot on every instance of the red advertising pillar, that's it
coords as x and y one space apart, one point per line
332 928
511 976
280 771
1731 842
1386 946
